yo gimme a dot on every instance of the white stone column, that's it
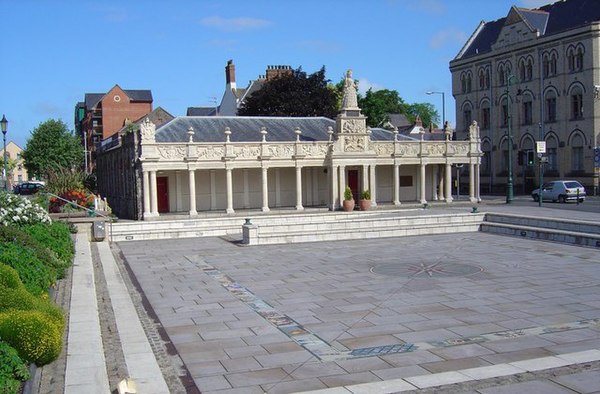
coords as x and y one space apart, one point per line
342 183
448 182
477 183
299 206
277 187
192 175
396 184
246 189
434 181
373 185
147 208
153 194
440 183
333 187
179 191
365 180
229 182
213 190
423 184
265 190
472 197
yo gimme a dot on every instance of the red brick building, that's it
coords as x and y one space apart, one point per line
103 114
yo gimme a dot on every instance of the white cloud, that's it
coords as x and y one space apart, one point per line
364 84
535 3
234 24
445 37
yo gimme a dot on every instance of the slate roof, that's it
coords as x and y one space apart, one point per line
201 111
554 18
247 129
92 99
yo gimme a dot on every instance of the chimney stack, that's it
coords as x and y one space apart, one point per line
230 75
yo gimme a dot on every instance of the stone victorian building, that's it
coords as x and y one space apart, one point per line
539 71
195 163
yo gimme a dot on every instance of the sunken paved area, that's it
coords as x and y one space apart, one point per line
297 317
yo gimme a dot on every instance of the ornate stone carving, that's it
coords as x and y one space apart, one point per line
384 149
353 126
246 152
458 148
210 152
280 150
350 99
474 131
314 150
436 149
171 152
147 131
405 149
354 144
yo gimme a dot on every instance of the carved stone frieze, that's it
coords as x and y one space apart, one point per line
354 144
282 150
353 126
384 149
171 152
246 152
210 152
436 149
314 150
147 131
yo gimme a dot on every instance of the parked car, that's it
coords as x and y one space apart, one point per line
561 191
27 188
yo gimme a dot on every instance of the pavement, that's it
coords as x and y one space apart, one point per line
469 312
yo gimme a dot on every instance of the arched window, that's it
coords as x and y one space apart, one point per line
486 167
552 153
571 59
550 110
522 70
468 78
481 79
504 112
463 83
577 152
504 157
467 115
529 70
577 102
501 75
485 115
553 60
579 59
527 110
487 78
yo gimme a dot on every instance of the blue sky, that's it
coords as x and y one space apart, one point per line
53 52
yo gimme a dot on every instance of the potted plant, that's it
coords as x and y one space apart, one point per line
365 200
348 204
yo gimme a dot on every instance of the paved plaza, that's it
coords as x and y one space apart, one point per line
311 316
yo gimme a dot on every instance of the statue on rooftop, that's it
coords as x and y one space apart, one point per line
350 100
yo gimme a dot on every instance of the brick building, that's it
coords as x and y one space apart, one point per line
103 114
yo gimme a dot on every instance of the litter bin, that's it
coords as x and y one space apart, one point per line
98 231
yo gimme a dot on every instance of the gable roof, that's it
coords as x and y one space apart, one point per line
548 20
201 111
92 99
247 129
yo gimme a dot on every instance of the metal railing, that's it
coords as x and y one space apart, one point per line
92 212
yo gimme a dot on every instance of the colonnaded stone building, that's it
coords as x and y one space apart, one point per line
539 71
212 163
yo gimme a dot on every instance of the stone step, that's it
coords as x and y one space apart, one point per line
579 226
542 233
364 228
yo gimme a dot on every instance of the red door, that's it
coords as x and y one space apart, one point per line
353 183
162 190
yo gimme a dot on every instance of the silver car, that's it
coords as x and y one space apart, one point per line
561 191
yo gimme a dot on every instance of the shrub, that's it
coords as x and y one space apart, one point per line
56 237
37 277
79 197
365 195
13 370
34 334
19 211
16 297
348 194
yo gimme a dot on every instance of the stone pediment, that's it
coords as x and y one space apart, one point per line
521 25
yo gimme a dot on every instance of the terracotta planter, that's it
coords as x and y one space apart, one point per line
364 205
348 205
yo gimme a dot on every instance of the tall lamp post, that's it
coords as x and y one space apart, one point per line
509 179
4 125
443 106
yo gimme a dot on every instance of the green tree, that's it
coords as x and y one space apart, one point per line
378 105
293 94
427 113
51 148
10 166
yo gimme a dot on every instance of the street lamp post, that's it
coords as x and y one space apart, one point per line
509 179
4 125
443 106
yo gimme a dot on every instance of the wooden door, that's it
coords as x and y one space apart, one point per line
162 190
353 183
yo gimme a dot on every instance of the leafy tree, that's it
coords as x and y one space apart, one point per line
378 105
427 113
293 94
10 166
52 147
